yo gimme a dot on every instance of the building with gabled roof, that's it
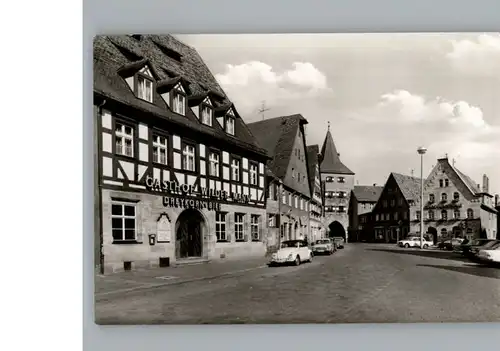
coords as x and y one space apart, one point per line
338 182
284 140
398 203
361 202
456 206
180 177
318 229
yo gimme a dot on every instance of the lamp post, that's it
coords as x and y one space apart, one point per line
421 151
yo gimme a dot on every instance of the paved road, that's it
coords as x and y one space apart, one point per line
362 283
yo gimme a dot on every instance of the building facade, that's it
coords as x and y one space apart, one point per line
338 182
497 207
456 206
361 203
391 217
318 230
289 194
179 175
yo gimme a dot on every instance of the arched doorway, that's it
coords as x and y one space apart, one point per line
336 230
433 233
189 234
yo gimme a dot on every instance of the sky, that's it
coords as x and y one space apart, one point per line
383 94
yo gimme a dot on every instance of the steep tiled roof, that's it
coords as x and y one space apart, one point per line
170 61
277 137
409 186
330 158
366 193
312 161
468 181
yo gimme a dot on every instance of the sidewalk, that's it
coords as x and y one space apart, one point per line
156 277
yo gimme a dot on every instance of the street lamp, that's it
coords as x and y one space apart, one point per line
421 150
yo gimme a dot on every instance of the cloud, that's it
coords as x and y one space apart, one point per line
249 83
481 56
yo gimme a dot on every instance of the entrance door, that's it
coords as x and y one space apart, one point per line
189 234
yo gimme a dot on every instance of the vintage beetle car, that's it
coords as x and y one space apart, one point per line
292 252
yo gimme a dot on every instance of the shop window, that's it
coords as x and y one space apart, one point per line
124 139
254 227
238 226
220 226
123 221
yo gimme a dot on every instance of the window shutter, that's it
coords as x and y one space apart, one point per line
260 228
246 225
229 226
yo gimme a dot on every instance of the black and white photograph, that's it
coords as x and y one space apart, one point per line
296 178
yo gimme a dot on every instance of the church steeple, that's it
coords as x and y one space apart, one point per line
330 158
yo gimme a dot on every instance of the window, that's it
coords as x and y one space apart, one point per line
206 115
271 220
271 192
144 89
385 203
238 226
376 217
470 213
213 160
341 180
254 227
431 198
188 158
431 214
393 203
284 197
456 214
179 105
253 174
440 183
293 172
456 196
444 232
418 215
444 197
235 170
230 125
446 182
341 209
395 216
124 137
220 226
405 215
444 215
329 179
123 221
159 149
400 200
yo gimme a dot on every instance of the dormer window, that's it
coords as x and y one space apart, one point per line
206 115
230 125
179 100
144 88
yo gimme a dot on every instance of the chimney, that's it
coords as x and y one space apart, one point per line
497 200
374 184
485 183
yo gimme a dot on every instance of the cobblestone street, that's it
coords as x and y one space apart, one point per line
361 283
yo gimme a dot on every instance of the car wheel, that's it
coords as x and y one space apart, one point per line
426 246
407 246
297 261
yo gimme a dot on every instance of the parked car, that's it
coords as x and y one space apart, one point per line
292 252
490 255
324 246
450 244
465 247
339 241
415 242
474 251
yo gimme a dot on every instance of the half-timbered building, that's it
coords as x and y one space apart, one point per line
318 229
284 140
180 177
